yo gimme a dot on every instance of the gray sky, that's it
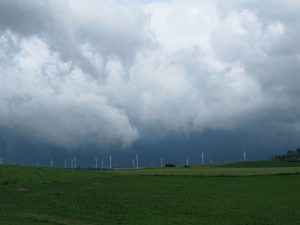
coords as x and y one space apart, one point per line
155 77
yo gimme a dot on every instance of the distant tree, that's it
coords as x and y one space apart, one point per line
170 165
297 154
290 155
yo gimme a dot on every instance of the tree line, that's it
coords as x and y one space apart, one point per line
290 155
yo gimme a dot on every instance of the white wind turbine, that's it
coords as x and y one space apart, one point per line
75 166
110 162
137 161
244 156
161 162
96 163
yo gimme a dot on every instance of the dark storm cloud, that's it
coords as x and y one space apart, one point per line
109 73
24 17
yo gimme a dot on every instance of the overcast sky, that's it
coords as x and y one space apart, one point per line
171 78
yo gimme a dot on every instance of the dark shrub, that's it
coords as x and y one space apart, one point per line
5 182
170 165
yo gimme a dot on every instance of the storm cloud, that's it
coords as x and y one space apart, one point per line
112 72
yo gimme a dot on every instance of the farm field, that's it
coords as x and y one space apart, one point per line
258 168
251 193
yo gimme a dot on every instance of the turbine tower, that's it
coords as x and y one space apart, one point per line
244 156
187 162
51 163
65 164
110 162
102 164
133 163
72 165
202 158
75 162
137 161
161 162
1 160
96 161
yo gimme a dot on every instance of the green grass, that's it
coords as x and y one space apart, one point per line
215 195
251 168
262 164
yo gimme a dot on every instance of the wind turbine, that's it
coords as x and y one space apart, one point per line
244 156
72 165
161 162
202 158
102 164
75 162
65 164
96 161
133 163
110 162
187 162
1 160
137 161
51 163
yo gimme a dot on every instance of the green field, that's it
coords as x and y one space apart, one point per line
250 193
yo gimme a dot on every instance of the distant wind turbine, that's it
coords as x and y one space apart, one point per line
137 161
202 158
75 166
161 162
110 162
96 163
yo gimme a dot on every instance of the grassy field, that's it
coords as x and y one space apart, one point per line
252 193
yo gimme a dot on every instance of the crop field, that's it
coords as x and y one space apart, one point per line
250 193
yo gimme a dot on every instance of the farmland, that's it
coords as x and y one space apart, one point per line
252 193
